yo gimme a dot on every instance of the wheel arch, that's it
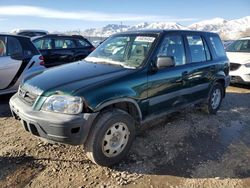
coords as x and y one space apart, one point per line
127 104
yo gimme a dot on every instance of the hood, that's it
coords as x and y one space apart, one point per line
71 77
238 57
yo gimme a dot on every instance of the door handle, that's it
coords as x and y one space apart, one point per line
185 74
212 68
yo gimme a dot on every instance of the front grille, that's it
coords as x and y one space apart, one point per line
26 96
234 66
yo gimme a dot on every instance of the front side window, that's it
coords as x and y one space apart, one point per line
199 50
128 51
43 44
239 46
172 46
218 46
64 43
3 48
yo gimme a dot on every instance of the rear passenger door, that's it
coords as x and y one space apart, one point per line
9 46
199 72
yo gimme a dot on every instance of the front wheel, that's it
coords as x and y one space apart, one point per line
215 98
111 137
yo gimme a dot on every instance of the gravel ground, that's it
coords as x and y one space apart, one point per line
185 149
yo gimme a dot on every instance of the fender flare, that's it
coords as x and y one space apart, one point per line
114 101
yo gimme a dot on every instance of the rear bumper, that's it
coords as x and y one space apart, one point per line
68 129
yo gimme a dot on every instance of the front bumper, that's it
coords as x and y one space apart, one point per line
63 128
241 75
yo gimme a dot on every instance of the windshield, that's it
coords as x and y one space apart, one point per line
127 51
239 46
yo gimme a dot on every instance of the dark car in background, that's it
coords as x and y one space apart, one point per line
62 49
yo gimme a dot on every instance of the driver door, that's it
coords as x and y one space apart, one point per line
8 66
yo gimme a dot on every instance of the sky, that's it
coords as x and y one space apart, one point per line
65 15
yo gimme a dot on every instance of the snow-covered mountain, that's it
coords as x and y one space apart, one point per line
228 29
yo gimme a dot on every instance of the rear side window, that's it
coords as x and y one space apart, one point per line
3 48
198 49
218 46
82 43
172 46
64 43
14 46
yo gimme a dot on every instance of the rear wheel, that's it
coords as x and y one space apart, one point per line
111 137
215 98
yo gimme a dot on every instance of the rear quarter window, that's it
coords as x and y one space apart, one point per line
217 46
82 43
14 46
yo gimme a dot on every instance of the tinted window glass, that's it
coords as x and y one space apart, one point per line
64 43
173 46
14 46
197 48
43 44
83 43
3 48
239 46
218 46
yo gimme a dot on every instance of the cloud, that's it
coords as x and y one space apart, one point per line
34 11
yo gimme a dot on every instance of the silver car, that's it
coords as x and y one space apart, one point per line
19 58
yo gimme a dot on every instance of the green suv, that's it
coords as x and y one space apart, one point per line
129 79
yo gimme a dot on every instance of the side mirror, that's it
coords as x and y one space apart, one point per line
165 61
17 56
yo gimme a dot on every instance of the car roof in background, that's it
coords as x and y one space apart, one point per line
28 30
59 36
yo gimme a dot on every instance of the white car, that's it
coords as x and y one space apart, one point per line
19 59
239 56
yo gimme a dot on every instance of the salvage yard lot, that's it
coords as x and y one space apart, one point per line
186 149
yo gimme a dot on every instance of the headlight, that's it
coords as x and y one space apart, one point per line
247 65
63 104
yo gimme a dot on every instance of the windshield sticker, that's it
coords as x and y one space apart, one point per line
144 39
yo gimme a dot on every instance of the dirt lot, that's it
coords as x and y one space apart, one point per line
186 149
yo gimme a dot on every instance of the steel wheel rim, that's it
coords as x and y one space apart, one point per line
216 98
115 139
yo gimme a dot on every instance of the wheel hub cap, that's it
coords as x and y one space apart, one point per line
216 98
115 139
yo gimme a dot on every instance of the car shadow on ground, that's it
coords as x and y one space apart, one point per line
210 145
4 105
18 171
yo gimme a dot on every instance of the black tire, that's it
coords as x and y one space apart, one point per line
94 144
210 108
